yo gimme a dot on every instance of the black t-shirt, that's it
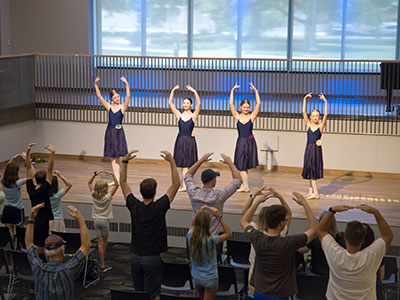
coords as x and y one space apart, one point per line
274 268
40 195
149 229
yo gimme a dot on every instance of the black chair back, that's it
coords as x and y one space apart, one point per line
311 286
3 260
391 269
5 237
239 252
176 275
128 295
227 278
21 265
176 297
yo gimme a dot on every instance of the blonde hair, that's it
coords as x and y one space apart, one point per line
332 226
100 190
262 219
200 236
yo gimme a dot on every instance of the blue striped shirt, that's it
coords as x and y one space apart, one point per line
55 280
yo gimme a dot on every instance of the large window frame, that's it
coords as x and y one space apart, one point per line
95 47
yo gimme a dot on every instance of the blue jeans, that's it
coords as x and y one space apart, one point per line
146 273
258 296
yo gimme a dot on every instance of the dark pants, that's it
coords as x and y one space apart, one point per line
146 273
219 248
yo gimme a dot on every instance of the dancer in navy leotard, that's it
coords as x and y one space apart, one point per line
246 156
313 164
114 141
185 150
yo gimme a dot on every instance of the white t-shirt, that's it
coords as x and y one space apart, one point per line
352 276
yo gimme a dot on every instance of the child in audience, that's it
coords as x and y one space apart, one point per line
185 149
13 211
102 213
203 253
313 165
56 194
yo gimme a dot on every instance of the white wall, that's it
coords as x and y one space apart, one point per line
342 152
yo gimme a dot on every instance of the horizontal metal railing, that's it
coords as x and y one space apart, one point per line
356 101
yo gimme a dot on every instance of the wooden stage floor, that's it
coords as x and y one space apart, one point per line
383 193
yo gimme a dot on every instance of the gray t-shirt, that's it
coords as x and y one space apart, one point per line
274 272
13 195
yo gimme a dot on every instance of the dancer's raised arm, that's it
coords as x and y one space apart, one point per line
98 94
198 103
30 169
126 190
323 123
305 116
258 103
171 102
128 95
67 183
234 112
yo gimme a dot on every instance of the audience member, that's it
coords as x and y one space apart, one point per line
202 251
13 211
149 229
40 193
56 280
261 224
102 213
352 271
207 195
274 268
56 194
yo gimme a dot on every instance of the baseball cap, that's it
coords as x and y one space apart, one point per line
53 242
208 175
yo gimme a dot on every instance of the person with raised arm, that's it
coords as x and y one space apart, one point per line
202 251
55 279
13 212
208 194
246 155
40 193
115 141
185 150
56 194
313 166
149 229
352 271
274 273
102 213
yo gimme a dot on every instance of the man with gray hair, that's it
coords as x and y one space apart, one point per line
55 279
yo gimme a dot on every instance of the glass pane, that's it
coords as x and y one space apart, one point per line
166 28
264 33
371 29
119 32
214 28
317 29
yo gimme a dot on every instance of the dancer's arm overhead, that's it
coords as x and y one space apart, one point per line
30 169
198 103
171 103
50 164
258 103
67 183
323 123
98 94
305 116
128 95
126 190
234 112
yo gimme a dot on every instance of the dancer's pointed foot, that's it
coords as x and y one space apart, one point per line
313 197
112 183
182 189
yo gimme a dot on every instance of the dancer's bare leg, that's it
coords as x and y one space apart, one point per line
245 182
183 186
315 194
310 190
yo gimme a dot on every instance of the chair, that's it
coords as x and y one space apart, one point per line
391 278
20 234
73 240
128 295
311 286
227 284
21 267
176 297
176 277
7 273
5 238
238 256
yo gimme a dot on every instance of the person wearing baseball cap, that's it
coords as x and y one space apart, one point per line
208 194
55 279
